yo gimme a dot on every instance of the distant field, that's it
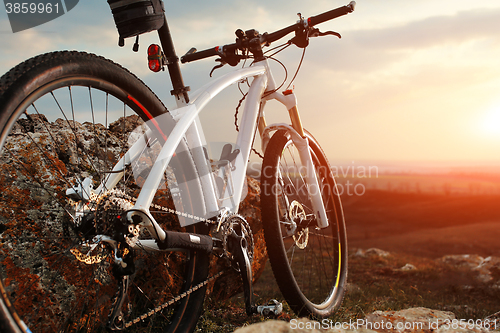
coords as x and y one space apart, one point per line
447 183
424 224
415 228
417 218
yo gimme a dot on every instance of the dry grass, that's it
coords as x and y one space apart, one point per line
376 283
436 225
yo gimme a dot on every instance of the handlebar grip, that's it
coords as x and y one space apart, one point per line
330 15
312 21
199 55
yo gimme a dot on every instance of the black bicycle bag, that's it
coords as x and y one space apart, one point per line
135 17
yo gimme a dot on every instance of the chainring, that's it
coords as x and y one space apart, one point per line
234 225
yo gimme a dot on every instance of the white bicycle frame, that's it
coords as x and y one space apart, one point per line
187 127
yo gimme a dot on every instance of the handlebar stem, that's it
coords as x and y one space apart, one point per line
255 47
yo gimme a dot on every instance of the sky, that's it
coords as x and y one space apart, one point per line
409 80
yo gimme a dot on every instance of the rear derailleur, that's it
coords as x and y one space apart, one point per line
105 232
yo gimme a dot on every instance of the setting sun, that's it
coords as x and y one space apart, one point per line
490 124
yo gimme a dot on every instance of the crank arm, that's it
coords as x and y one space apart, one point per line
273 308
239 246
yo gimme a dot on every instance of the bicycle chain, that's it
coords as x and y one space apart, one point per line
185 293
173 300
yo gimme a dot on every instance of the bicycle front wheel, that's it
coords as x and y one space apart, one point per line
308 262
66 117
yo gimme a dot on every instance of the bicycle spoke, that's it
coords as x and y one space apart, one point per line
76 136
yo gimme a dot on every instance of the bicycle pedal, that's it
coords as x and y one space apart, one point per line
273 308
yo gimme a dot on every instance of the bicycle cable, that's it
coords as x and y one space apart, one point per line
298 68
237 110
300 62
284 80
281 47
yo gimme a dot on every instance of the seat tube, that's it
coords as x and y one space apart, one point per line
180 91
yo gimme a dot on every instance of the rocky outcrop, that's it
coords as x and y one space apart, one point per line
48 150
371 252
413 320
487 269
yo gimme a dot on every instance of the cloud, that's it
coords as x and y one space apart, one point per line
427 76
368 50
394 68
463 26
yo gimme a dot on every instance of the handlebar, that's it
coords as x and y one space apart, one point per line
267 39
199 55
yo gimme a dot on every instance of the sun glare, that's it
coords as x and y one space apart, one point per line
491 123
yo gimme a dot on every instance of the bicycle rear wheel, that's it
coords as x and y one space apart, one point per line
309 263
64 117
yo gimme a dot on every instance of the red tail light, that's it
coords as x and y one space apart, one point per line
155 58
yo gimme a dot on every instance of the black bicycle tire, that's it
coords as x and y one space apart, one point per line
276 250
26 78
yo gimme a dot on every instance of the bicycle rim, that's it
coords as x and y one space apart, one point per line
309 263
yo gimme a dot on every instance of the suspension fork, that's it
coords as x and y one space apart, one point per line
301 141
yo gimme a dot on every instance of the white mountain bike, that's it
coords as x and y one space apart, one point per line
110 209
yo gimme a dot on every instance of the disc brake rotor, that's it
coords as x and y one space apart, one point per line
297 214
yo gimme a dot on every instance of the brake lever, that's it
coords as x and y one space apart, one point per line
316 33
222 63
